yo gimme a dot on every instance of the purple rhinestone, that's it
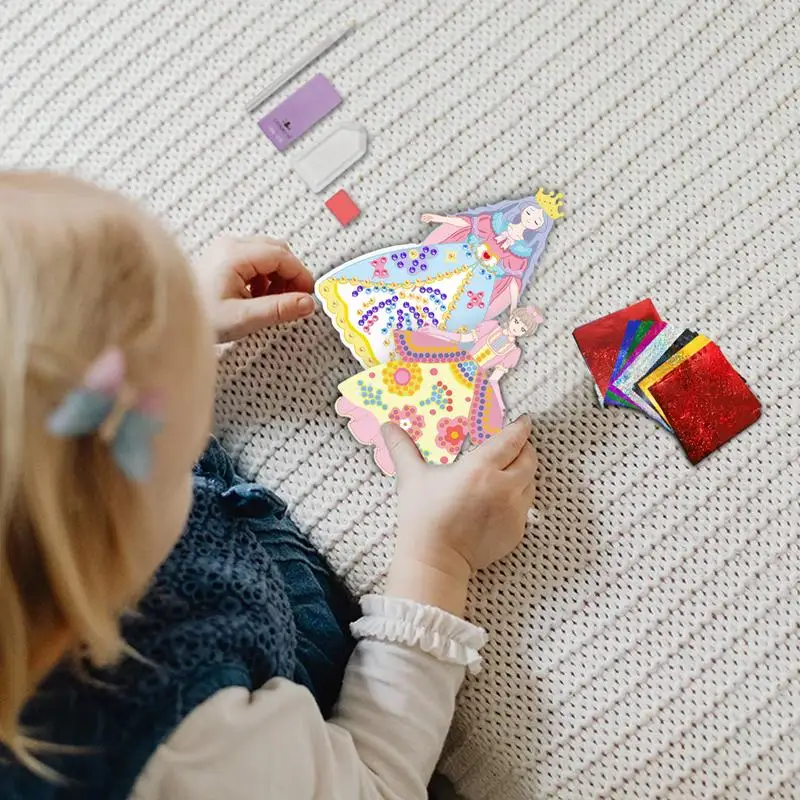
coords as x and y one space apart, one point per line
444 296
394 256
382 304
401 264
415 262
425 249
434 251
424 267
403 255
355 294
424 253
412 270
361 323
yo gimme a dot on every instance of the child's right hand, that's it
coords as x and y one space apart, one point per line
251 282
460 518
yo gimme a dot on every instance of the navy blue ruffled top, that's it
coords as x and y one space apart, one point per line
242 598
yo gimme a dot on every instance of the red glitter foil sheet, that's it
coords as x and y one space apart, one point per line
706 402
599 341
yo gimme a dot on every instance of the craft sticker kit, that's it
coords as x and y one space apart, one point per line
436 325
321 164
675 376
472 267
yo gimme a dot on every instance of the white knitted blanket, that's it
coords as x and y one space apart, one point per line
645 635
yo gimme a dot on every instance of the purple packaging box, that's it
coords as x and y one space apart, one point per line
300 111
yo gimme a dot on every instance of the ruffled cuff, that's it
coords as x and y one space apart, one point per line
442 635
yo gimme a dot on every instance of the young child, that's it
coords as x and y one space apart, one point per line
166 631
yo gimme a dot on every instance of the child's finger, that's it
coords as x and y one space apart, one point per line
259 286
503 448
529 493
402 449
263 312
524 465
260 238
265 259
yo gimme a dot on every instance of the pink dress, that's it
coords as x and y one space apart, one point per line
512 264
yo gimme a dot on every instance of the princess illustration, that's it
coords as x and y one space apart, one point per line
440 387
471 268
508 238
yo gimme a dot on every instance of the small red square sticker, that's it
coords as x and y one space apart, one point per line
342 207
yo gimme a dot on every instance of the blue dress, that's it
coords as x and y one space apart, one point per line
448 285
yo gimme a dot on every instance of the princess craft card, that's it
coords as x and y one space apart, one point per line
472 267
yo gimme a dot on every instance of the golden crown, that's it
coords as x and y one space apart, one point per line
551 203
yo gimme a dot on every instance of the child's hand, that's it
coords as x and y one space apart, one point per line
457 519
252 282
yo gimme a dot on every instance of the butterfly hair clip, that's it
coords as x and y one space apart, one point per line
104 404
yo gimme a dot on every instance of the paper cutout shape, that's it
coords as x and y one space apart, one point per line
664 369
599 341
706 402
471 268
440 386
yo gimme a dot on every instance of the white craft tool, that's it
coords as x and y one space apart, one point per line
298 67
325 162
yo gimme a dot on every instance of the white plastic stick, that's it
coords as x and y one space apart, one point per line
298 67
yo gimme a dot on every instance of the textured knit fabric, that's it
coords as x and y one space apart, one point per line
240 600
643 639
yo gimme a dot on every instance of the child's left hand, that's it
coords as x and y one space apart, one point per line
252 282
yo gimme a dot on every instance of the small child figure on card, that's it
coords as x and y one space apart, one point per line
440 387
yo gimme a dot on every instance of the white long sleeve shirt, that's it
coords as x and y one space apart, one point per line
382 742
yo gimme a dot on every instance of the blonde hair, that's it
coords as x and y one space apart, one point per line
80 269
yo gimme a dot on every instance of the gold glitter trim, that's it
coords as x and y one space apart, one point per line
337 309
336 306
